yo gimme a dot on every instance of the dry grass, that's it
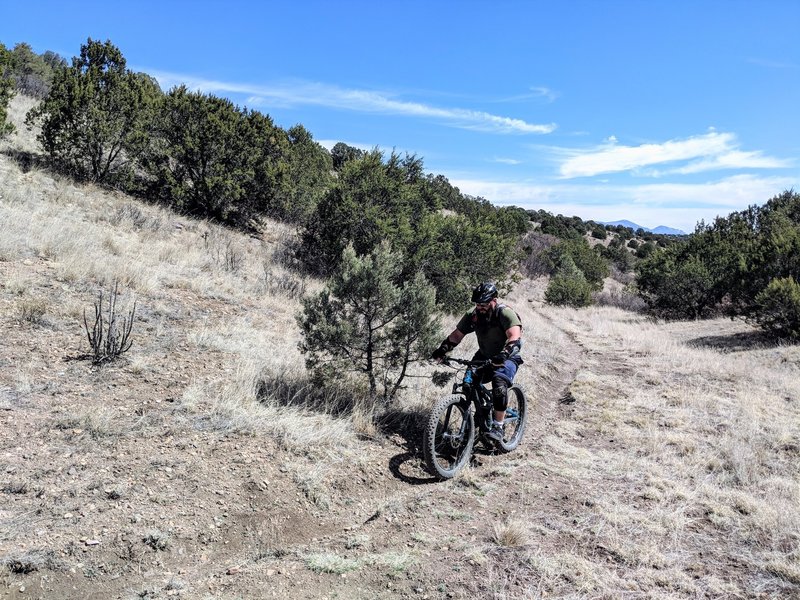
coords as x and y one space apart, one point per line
691 446
28 561
672 472
22 139
510 534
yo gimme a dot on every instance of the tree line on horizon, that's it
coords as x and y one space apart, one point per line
204 156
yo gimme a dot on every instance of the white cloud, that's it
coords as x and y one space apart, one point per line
672 204
308 93
535 92
507 161
712 151
329 144
735 159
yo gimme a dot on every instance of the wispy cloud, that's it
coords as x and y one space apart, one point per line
772 64
304 93
507 161
712 151
734 159
534 93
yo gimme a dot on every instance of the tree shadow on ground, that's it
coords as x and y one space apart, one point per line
27 161
336 400
737 342
406 427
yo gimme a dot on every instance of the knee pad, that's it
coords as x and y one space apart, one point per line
499 393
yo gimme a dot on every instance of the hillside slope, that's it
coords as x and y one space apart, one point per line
661 459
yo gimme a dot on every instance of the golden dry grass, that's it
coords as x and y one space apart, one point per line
693 453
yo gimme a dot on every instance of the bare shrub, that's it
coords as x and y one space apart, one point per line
130 213
32 310
624 298
284 252
29 561
232 258
283 284
624 277
110 335
156 539
223 250
535 246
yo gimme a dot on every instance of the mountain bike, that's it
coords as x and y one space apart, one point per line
451 430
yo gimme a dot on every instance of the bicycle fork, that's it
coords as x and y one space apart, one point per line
455 439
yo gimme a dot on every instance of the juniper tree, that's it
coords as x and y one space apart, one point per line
95 116
6 90
367 321
569 286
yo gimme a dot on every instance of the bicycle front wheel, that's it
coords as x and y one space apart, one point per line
449 437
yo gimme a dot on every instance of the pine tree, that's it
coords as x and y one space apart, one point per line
367 322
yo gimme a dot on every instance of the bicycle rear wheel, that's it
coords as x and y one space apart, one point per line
515 419
449 437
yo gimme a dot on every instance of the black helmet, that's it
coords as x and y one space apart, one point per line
485 292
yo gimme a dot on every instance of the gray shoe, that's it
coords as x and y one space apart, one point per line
495 433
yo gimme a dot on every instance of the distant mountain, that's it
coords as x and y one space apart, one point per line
664 230
661 229
630 224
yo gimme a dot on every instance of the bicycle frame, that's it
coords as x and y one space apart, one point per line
475 393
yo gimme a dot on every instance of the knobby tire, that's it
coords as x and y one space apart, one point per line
449 437
515 426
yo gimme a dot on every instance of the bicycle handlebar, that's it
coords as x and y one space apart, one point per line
468 363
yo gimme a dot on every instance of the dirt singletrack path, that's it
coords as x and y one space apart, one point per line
454 524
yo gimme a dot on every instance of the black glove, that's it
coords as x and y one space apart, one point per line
500 359
439 353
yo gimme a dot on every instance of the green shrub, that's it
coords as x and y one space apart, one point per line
778 307
6 91
569 287
645 250
578 253
378 199
599 232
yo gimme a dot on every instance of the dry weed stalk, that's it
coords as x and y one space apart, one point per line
109 337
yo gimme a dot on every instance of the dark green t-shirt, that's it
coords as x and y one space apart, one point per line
491 330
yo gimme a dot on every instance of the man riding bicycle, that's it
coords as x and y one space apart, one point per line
499 332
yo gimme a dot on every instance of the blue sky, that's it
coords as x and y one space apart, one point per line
660 112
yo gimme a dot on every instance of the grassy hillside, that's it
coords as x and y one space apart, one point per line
661 459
